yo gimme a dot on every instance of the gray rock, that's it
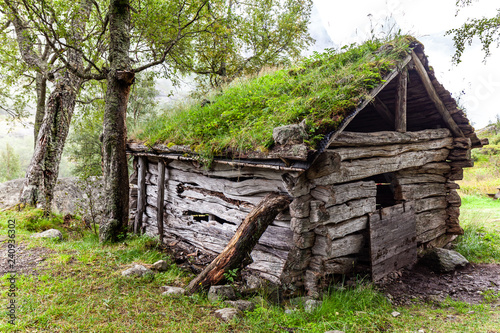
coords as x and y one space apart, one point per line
254 282
443 260
173 291
51 233
241 305
221 293
395 314
160 266
312 305
137 270
227 314
289 134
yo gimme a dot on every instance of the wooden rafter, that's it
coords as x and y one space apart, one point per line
383 111
431 91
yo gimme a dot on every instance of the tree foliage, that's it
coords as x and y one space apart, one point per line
10 166
486 29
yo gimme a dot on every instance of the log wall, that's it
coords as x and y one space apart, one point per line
325 231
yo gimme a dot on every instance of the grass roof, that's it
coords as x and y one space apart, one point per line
321 90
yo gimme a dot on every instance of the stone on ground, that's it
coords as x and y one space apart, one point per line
137 271
221 293
241 305
311 305
443 260
51 233
227 314
160 266
173 291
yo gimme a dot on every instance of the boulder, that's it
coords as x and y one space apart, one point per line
51 233
221 293
289 134
443 260
173 291
137 271
227 314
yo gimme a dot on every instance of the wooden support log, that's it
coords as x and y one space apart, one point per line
141 193
431 91
237 252
160 198
383 111
400 116
354 153
355 139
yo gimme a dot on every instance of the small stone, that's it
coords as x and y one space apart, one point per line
241 305
312 305
51 233
395 314
172 291
227 314
137 270
254 282
290 311
221 293
160 266
289 134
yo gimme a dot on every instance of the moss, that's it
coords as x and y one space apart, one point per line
322 89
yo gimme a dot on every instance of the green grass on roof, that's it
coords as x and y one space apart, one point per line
321 90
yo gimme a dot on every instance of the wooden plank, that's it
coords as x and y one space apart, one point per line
340 230
360 169
160 199
141 193
392 239
431 91
419 191
353 153
383 138
343 212
431 203
400 114
430 220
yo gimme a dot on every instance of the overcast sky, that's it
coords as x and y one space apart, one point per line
428 20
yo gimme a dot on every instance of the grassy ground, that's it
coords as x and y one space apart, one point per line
80 289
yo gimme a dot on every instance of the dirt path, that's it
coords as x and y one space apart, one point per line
469 284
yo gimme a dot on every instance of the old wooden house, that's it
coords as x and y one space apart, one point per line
378 188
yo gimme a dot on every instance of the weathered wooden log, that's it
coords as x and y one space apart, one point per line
360 169
141 194
338 194
430 220
338 213
431 203
354 153
338 248
453 198
383 111
355 139
296 186
300 207
419 191
236 254
335 231
420 179
160 199
325 164
343 265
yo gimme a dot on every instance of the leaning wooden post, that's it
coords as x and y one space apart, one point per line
141 193
160 198
237 251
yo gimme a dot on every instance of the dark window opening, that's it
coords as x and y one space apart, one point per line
385 190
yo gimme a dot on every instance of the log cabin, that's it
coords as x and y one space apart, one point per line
377 188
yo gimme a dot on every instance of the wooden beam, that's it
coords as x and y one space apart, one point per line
160 198
141 193
383 110
400 116
431 91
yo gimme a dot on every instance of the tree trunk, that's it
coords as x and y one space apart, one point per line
41 93
120 78
237 251
43 170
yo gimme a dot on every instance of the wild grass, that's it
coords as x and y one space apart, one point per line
321 91
80 289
